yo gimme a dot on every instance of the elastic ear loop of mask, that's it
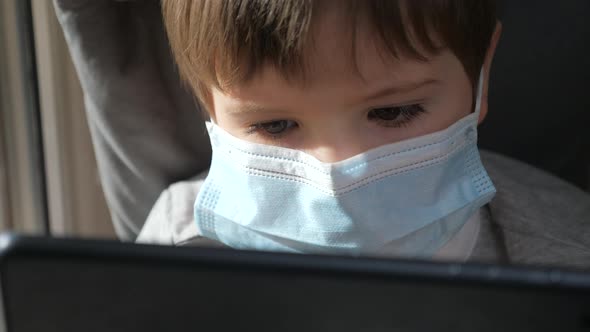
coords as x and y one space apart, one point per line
479 96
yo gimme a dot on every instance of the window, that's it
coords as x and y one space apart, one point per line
48 177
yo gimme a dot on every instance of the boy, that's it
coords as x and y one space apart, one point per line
350 127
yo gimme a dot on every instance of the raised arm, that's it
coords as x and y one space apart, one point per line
146 128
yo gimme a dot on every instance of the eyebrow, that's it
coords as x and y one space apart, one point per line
249 108
406 87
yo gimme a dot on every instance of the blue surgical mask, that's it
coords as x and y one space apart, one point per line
403 199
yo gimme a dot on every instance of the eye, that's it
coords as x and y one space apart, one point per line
395 116
273 129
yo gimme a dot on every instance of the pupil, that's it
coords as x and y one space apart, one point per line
276 127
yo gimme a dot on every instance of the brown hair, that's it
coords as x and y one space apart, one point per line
218 43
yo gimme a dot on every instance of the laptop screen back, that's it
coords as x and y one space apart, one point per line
94 292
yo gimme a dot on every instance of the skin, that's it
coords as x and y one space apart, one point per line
339 113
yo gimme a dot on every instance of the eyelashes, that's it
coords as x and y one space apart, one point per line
396 117
390 117
272 129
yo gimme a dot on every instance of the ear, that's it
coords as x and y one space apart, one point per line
487 66
205 101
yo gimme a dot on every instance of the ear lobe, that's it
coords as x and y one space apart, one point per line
487 66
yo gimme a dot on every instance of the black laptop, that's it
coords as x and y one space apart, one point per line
80 285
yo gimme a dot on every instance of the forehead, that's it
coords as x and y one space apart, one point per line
341 50
344 57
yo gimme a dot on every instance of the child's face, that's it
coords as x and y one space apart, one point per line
338 113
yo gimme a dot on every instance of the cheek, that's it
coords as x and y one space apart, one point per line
219 111
455 109
452 105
